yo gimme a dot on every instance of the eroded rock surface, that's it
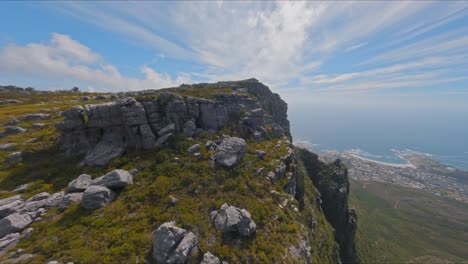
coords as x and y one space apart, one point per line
231 219
230 151
96 197
172 244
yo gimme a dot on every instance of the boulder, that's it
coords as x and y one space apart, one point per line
209 258
163 139
34 203
95 197
102 154
38 126
37 116
12 207
231 219
8 242
230 151
194 148
7 146
190 128
115 179
14 158
14 223
9 199
70 198
79 184
54 200
169 129
12 130
172 244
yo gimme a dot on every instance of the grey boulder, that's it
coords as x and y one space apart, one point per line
79 184
95 197
8 242
12 130
172 244
115 179
231 219
70 198
102 154
209 258
37 116
10 205
54 200
194 148
7 146
14 223
230 151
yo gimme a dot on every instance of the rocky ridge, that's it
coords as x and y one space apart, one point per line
236 140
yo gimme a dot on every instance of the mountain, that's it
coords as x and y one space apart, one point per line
202 173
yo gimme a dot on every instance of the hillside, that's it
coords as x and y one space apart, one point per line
198 174
399 224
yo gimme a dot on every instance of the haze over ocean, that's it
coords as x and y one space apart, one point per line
377 130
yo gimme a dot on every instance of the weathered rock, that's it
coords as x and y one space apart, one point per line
85 98
115 179
169 129
209 258
8 242
190 128
172 244
7 146
96 197
194 148
163 139
23 258
12 130
277 130
102 154
79 184
11 207
70 198
31 140
9 200
34 203
37 116
38 126
210 145
231 219
54 200
14 223
230 151
15 157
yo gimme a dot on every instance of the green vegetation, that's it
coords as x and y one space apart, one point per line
122 231
397 224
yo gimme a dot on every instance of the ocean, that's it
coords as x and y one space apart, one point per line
381 133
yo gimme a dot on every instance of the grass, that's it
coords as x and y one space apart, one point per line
397 224
122 231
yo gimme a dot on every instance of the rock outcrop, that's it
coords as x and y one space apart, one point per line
115 179
95 197
80 184
104 131
230 151
172 244
233 220
332 182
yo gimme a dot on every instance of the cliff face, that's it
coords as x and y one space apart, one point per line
332 182
197 173
150 118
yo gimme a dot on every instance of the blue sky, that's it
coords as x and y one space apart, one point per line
342 52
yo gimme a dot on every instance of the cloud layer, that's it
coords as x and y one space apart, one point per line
320 46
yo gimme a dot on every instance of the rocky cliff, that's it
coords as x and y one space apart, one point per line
202 173
332 182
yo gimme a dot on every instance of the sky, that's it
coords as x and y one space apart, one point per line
343 54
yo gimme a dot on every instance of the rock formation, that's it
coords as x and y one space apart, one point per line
233 220
172 244
104 131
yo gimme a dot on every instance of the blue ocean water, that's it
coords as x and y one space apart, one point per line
379 134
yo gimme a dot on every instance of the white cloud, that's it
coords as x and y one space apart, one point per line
64 57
